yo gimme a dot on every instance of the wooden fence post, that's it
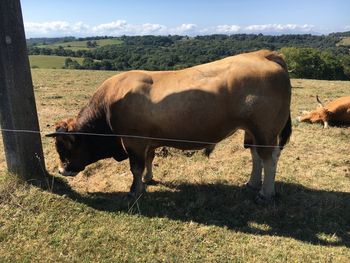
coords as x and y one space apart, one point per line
23 151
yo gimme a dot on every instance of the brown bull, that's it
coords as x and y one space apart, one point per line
193 108
337 112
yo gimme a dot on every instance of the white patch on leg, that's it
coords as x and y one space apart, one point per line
255 177
270 167
326 125
149 175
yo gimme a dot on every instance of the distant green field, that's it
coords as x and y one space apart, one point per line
81 45
42 61
345 41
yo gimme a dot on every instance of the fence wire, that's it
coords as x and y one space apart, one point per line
133 137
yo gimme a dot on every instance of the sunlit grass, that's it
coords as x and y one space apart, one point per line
200 211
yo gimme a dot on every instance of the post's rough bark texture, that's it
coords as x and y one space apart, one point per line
23 151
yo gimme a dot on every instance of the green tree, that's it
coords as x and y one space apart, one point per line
304 62
91 44
67 62
106 65
312 63
71 64
88 63
346 66
333 69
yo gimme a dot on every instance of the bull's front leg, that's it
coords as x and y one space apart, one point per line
137 167
148 178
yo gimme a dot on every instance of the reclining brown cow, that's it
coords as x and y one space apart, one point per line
193 108
337 112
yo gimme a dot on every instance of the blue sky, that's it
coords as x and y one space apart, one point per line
48 18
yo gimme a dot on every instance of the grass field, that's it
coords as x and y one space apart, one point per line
200 212
81 45
49 62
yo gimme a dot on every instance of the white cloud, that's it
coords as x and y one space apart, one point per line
55 28
80 27
148 29
279 28
227 29
347 27
115 26
184 29
122 27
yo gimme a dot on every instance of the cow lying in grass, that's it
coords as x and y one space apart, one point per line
336 112
193 108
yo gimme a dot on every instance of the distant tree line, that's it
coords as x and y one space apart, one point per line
88 63
308 56
312 63
48 40
91 44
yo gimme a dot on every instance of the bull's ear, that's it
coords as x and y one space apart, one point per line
320 104
70 124
61 128
59 131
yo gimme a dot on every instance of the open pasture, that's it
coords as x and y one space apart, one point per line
82 44
200 210
49 62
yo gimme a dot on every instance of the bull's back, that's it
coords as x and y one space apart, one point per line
206 102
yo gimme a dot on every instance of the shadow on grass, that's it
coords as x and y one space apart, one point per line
314 216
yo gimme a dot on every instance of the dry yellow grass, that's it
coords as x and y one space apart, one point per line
61 93
200 211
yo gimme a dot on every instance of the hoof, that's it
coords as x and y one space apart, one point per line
137 189
151 182
131 195
263 200
136 192
251 187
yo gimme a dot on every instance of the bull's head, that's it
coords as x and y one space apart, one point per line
72 151
77 150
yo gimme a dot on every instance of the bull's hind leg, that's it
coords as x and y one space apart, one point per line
270 158
255 177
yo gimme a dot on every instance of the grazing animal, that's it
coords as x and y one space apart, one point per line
192 108
336 112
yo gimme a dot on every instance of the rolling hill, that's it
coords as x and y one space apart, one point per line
46 61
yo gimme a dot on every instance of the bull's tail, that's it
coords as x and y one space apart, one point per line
285 133
287 130
277 58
